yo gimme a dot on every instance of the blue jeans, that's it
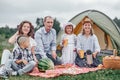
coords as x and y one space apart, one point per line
27 68
6 55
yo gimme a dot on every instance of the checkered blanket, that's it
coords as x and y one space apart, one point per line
62 70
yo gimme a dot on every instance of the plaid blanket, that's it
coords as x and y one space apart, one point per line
67 69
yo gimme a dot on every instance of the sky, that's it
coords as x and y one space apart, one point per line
12 12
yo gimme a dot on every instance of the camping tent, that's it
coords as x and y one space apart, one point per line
107 32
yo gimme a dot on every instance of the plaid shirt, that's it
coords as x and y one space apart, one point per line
19 54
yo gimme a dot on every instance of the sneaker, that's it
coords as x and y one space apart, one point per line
3 72
2 69
8 73
14 73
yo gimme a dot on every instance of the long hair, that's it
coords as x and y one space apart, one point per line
31 32
87 20
91 31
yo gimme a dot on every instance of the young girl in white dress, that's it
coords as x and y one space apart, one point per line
68 42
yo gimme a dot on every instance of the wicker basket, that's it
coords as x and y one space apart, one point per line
111 62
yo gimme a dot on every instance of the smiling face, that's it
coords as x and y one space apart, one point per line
69 29
87 28
25 28
48 22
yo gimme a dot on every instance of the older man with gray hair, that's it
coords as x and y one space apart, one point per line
45 38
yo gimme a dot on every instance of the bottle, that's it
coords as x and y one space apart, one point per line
114 52
89 57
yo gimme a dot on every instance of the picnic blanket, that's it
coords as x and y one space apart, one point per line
61 70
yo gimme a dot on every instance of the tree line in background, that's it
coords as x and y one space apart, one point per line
7 32
117 21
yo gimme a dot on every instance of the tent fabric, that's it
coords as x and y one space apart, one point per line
107 31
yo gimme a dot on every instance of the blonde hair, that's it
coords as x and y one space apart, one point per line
21 39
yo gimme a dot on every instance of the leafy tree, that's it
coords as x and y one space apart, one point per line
56 25
39 22
6 31
117 21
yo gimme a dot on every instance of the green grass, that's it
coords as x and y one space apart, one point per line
98 75
4 45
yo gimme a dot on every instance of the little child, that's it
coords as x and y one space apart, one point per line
22 58
68 42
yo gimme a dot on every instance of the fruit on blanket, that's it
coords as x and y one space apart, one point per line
45 64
